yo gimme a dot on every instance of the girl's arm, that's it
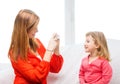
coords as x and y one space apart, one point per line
81 75
106 73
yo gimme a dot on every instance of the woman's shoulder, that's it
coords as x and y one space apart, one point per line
37 41
39 44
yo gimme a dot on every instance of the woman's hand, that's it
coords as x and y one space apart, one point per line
56 51
53 46
53 43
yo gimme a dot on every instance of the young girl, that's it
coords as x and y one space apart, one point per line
95 68
30 60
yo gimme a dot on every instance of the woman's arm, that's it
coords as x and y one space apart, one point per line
56 60
31 73
56 63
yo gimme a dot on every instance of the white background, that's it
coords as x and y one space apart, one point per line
102 15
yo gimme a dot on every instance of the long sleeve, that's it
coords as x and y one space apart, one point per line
81 75
56 61
31 73
106 74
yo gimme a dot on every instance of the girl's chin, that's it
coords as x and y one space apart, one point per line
86 51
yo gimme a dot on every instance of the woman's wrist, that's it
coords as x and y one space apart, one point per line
57 52
48 55
49 50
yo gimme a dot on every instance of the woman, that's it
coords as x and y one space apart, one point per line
29 58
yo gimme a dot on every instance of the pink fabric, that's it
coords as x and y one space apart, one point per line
97 72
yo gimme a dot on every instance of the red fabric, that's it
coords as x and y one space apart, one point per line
97 72
35 71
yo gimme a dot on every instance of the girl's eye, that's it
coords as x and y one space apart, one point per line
87 41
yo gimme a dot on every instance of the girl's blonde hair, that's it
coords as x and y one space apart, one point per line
20 42
100 40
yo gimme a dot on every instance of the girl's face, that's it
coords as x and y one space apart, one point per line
90 45
32 32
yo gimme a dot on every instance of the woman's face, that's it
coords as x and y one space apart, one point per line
32 32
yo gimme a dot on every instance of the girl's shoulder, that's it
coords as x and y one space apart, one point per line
85 58
103 59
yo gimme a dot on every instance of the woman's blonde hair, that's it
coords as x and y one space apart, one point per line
20 42
101 41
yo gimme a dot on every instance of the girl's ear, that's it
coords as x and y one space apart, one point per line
97 46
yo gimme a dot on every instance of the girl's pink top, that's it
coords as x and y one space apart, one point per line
97 72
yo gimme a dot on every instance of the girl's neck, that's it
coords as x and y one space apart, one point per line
94 54
92 58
